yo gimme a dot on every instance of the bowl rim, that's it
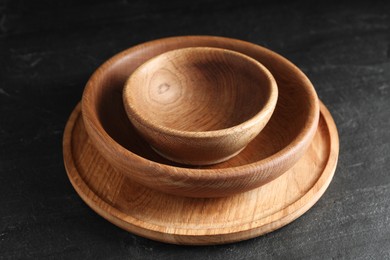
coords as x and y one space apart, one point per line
204 174
268 107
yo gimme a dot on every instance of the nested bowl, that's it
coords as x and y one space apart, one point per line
277 148
200 105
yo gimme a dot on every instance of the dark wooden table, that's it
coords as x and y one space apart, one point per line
48 50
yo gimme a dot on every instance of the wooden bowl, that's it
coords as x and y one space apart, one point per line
277 148
200 105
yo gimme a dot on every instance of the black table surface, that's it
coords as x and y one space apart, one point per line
48 50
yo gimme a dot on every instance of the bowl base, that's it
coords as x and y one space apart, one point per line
201 163
194 221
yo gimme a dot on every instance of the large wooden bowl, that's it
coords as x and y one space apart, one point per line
200 106
276 149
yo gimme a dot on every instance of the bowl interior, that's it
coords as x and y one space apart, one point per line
293 112
198 89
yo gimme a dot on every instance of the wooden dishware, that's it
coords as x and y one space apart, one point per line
200 105
199 221
276 149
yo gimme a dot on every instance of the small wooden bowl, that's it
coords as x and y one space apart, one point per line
200 106
276 149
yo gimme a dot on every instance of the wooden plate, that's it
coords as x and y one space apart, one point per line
195 221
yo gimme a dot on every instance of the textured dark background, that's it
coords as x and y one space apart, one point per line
48 50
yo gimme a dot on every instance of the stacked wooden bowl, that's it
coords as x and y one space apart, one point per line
277 174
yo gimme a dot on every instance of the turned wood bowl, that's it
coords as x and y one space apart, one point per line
200 105
276 149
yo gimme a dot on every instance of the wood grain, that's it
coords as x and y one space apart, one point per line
277 148
200 105
197 221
